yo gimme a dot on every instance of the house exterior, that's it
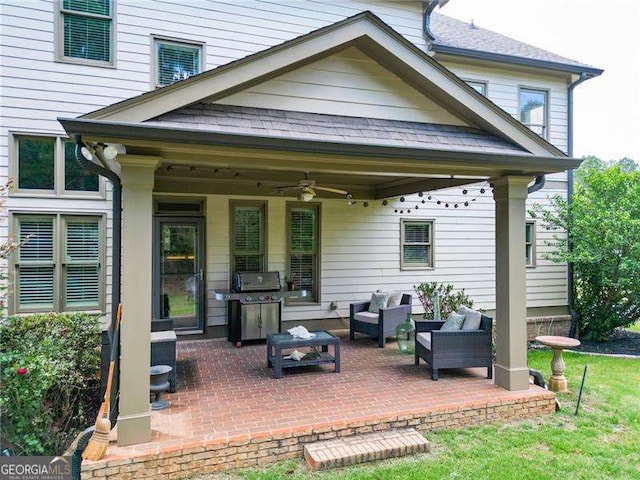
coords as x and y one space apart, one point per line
208 112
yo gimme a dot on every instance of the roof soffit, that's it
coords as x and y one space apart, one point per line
364 31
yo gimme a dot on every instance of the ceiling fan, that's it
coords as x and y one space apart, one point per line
308 189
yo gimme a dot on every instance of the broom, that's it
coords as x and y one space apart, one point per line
99 440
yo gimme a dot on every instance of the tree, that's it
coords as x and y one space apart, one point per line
5 250
603 226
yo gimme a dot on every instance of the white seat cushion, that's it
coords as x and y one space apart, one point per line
424 338
366 317
163 336
394 299
472 318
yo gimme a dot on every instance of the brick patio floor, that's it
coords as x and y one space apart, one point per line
227 394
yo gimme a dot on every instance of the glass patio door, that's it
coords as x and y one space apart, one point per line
178 273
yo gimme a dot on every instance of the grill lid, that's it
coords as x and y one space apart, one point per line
256 281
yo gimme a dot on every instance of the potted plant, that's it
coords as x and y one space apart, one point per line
290 283
448 299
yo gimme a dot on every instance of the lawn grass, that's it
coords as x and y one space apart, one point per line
635 327
603 441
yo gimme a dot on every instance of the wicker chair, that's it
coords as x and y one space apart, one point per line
454 348
378 325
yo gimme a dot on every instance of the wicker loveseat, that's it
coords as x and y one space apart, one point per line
378 325
454 348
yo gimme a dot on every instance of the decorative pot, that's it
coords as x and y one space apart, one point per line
159 383
406 335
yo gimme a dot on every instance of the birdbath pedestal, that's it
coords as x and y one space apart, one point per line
557 382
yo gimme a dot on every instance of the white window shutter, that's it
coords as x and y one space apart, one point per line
248 239
82 268
35 267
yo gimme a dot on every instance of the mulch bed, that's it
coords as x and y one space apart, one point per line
621 342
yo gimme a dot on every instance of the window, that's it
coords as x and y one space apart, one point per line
533 110
175 61
86 31
36 163
303 248
59 267
480 87
530 244
48 165
417 244
248 236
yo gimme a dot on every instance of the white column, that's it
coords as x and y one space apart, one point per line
511 370
134 421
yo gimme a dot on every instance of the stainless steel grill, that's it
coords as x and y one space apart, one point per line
254 305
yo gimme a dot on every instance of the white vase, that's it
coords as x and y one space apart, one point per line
436 306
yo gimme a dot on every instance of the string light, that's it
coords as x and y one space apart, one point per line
422 199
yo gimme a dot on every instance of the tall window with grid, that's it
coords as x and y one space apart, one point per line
303 248
248 242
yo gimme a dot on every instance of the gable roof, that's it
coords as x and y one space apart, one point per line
364 31
317 127
456 37
239 120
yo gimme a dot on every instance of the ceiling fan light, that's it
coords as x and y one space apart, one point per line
306 194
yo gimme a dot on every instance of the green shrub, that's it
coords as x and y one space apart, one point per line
50 366
449 300
603 227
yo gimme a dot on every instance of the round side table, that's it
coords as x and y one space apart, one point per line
557 382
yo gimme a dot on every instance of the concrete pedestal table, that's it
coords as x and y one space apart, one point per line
557 382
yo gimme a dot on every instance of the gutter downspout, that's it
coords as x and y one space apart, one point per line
116 263
570 284
537 185
426 19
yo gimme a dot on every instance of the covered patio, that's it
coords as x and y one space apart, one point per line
440 133
228 411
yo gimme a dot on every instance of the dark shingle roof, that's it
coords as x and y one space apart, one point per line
332 128
450 32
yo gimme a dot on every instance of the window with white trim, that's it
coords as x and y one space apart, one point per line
248 241
175 61
303 248
533 110
86 31
416 244
530 244
480 87
59 266
48 165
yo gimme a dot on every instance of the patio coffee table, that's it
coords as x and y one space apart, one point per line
276 342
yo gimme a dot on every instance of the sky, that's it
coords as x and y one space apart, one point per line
603 34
